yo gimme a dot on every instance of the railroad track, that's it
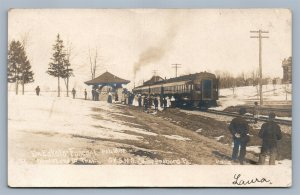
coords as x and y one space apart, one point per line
249 117
263 108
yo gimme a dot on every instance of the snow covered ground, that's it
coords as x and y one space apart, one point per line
243 95
68 116
66 119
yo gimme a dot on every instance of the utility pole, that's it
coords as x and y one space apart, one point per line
154 72
154 75
176 66
259 36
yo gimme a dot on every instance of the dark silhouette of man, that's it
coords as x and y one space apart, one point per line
239 129
270 133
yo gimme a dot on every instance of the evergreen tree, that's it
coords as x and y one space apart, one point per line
27 75
57 67
19 68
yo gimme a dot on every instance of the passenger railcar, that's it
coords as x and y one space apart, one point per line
193 90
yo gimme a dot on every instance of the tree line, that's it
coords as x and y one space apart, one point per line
20 71
227 80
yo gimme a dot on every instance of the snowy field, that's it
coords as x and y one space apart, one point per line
281 94
67 116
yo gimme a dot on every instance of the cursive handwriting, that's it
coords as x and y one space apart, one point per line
238 181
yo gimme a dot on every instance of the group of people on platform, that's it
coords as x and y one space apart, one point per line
270 133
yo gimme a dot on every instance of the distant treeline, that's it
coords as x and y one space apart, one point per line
227 80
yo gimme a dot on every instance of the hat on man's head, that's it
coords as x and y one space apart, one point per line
242 111
272 115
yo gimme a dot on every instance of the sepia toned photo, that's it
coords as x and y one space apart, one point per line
149 97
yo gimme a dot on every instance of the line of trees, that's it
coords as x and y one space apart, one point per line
19 68
227 80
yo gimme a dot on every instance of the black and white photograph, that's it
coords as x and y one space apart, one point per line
149 97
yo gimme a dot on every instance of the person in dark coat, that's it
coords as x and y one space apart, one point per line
239 129
37 90
74 93
165 103
155 104
270 133
109 98
93 94
140 100
146 104
150 102
97 94
85 94
116 97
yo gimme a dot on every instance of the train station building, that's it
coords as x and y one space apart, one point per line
107 83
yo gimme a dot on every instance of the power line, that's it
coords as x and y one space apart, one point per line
176 66
259 36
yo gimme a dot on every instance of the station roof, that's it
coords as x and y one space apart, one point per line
107 78
153 80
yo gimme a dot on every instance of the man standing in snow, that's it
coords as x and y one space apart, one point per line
270 133
155 104
239 129
94 94
140 100
74 93
37 90
85 94
109 98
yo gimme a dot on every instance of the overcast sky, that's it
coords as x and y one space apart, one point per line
140 41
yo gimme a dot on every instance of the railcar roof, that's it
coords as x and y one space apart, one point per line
181 78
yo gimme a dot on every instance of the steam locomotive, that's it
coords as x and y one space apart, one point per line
194 90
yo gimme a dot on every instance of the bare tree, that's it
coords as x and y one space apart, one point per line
69 71
255 77
93 62
25 39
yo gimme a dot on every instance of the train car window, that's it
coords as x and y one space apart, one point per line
207 89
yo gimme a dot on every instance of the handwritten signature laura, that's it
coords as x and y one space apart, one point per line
238 180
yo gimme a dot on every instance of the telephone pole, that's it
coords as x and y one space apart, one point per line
259 36
154 72
176 66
